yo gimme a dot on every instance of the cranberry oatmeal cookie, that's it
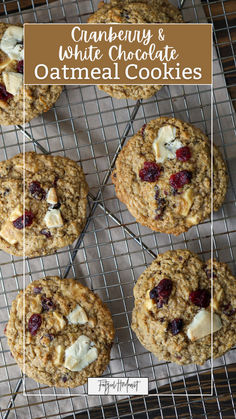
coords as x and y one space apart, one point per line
172 313
55 203
163 175
38 99
68 332
133 11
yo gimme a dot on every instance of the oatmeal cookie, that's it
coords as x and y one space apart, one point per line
68 332
38 99
54 210
172 313
132 11
163 175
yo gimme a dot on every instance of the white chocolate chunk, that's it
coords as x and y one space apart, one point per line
59 355
8 233
13 81
193 220
184 202
16 213
165 145
52 196
4 61
214 304
77 316
71 363
149 302
91 323
216 300
11 43
53 218
79 355
201 325
59 320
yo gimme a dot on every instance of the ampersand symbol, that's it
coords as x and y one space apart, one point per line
161 37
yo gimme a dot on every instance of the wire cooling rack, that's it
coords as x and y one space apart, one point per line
113 250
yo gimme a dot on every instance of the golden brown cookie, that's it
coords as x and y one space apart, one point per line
172 313
132 11
163 175
54 210
38 99
68 332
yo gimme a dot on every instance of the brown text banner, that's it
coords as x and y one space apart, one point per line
118 54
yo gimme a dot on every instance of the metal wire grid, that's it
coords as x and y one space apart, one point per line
113 251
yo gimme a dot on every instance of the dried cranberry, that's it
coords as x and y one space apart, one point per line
64 378
228 310
46 233
6 192
55 181
160 303
125 14
4 94
57 205
34 323
161 292
5 329
157 192
176 326
37 290
24 221
153 294
20 66
175 192
143 130
47 304
178 180
150 172
164 288
200 298
36 191
208 273
183 153
49 336
161 206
